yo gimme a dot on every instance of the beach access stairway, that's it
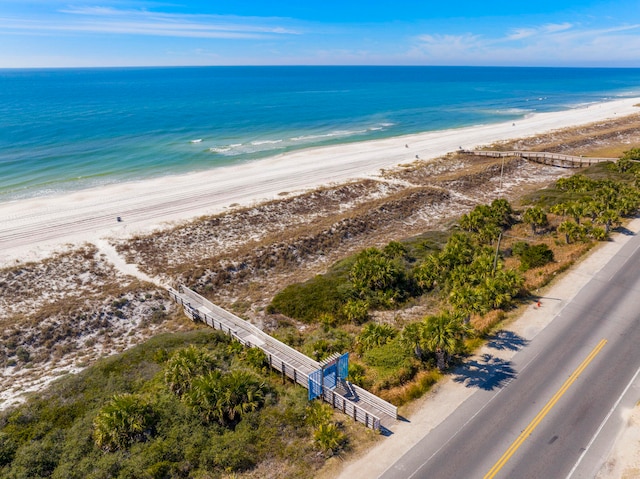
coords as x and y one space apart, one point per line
352 400
551 159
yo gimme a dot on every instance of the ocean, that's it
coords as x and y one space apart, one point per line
69 129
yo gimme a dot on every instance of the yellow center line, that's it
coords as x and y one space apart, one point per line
545 410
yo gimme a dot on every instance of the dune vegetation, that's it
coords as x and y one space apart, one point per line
196 404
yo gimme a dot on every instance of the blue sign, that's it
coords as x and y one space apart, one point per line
331 376
315 384
343 366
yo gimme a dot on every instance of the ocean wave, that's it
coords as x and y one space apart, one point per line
266 145
514 111
341 133
265 142
333 134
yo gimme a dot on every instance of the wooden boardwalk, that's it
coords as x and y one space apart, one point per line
352 400
551 159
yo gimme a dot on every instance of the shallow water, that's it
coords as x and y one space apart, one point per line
70 129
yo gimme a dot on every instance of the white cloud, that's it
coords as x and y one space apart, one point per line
521 33
450 45
107 20
547 44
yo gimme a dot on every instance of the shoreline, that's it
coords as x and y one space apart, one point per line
32 229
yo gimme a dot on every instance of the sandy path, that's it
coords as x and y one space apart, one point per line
31 229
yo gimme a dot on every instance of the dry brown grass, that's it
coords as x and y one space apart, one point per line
564 254
417 387
485 323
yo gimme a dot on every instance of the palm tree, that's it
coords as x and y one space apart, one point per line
458 250
502 212
411 337
608 218
628 203
465 299
428 273
570 230
242 394
226 398
536 217
488 233
356 310
318 413
475 219
395 250
126 419
206 397
443 335
559 209
593 208
576 210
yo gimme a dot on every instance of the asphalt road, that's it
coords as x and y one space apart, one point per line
554 410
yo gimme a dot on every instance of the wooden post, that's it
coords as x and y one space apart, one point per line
283 375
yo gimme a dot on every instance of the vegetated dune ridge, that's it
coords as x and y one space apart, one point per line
60 314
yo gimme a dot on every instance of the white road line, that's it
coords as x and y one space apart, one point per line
595 436
466 423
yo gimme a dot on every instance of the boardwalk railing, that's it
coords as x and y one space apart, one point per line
357 403
552 159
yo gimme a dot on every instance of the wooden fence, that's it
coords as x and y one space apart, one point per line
356 402
551 159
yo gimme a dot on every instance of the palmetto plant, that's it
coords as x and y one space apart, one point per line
374 334
126 419
184 366
225 398
329 438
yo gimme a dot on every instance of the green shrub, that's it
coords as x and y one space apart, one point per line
357 374
391 356
355 311
8 448
232 452
308 301
532 256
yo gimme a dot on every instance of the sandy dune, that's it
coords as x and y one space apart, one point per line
32 229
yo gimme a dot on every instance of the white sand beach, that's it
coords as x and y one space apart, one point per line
34 228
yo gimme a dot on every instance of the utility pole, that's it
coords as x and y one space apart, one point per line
495 259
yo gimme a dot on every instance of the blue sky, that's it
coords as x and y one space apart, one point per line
52 33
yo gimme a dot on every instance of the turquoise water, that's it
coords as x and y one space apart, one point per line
70 129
